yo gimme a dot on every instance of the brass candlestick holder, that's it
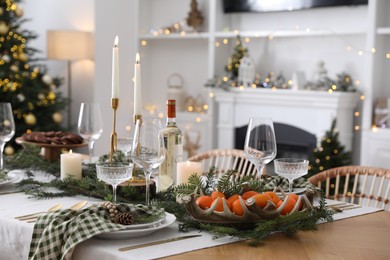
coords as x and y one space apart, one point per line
114 138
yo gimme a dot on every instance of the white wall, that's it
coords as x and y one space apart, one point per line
114 18
91 80
47 15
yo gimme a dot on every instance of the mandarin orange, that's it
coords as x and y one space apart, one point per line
216 194
232 198
295 197
220 206
237 208
262 199
275 198
288 207
249 194
204 202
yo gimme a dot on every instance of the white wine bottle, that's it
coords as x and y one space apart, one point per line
173 148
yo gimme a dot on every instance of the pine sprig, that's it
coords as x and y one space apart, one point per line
29 158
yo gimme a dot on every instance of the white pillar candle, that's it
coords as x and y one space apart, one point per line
115 69
137 86
71 165
186 169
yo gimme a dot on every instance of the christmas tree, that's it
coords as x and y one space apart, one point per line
330 154
36 104
234 61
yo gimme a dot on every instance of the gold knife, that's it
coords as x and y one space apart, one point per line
157 242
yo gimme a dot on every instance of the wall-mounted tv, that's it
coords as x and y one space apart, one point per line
233 6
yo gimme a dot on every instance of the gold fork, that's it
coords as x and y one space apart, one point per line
76 206
28 216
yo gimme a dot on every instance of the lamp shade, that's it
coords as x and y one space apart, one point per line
69 45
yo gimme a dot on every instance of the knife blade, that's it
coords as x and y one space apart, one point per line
157 242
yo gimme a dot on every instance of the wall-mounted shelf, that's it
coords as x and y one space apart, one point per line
383 30
287 33
175 36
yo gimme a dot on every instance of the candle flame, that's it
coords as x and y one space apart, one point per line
116 42
70 151
137 58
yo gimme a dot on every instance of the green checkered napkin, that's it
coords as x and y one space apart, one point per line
57 233
271 182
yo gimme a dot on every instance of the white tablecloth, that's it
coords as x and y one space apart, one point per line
16 235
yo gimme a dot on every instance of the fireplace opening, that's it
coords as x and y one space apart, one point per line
291 142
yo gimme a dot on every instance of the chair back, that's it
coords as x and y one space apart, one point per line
362 185
224 160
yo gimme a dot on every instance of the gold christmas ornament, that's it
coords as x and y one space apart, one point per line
19 11
3 28
14 68
6 58
47 79
23 57
30 119
41 96
9 150
21 97
57 117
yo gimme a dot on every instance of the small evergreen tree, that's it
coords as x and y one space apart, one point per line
36 104
234 61
330 154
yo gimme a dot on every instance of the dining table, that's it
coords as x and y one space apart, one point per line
359 233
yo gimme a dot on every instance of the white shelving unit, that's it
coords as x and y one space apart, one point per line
375 149
299 40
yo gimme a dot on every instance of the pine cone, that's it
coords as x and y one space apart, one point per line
123 218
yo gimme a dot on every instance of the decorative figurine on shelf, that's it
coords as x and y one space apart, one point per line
177 91
189 146
246 72
321 72
321 79
195 18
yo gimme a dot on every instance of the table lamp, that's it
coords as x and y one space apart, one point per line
69 46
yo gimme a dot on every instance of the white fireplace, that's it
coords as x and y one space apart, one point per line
312 111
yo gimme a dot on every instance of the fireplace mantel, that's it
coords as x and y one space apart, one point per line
312 111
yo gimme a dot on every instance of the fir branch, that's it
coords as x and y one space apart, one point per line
29 158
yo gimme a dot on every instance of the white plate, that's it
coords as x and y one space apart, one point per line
146 225
130 233
5 181
11 178
295 190
18 175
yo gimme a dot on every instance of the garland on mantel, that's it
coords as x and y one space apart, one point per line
92 187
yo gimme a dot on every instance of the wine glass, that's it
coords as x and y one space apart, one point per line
124 145
291 169
148 148
90 124
260 142
114 174
7 128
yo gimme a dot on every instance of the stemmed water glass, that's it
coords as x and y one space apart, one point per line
148 148
7 128
90 124
114 174
260 142
291 169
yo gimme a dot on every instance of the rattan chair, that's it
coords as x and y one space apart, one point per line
362 185
224 160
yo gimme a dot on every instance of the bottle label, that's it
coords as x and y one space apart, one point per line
173 155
